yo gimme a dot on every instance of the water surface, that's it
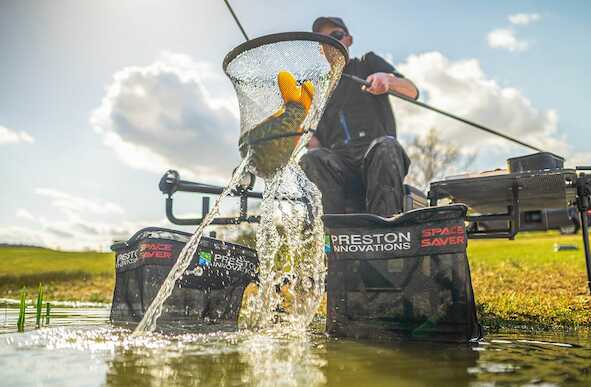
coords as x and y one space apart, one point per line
81 348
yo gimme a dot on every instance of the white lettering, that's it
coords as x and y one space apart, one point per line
390 237
404 236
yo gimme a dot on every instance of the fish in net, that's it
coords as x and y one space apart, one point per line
283 82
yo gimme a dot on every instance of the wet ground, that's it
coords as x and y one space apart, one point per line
81 348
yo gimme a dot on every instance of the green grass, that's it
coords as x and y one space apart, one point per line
22 308
524 282
516 283
72 276
39 307
15 261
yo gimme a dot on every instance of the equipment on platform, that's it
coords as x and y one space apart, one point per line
207 297
430 283
532 183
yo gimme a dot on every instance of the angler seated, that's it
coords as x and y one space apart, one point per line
355 146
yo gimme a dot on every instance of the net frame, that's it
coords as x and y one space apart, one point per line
283 37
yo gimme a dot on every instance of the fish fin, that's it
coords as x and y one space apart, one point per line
307 94
288 86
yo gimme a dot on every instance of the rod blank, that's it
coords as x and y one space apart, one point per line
236 19
468 122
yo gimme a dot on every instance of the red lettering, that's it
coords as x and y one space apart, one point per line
436 242
156 246
156 254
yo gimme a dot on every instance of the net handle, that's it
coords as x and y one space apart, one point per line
283 37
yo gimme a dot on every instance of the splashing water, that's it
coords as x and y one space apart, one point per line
148 322
290 246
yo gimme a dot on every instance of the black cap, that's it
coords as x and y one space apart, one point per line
337 21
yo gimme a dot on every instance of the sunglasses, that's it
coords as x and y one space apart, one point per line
338 35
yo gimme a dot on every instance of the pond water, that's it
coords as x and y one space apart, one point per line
81 348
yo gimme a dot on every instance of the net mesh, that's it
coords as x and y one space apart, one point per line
253 69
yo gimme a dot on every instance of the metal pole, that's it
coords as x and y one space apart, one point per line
583 205
585 231
422 104
236 19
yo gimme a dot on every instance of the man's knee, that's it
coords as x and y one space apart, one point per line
388 150
314 158
384 145
321 162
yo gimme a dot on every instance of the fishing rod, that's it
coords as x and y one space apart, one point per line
236 19
411 100
426 106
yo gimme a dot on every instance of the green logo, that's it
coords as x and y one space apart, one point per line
205 258
327 244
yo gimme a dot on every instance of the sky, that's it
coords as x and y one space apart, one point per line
99 99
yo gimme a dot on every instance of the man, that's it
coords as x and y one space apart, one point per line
355 141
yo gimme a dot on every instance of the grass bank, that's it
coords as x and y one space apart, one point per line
516 283
66 276
524 282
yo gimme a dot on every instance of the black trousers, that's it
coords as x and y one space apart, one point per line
380 167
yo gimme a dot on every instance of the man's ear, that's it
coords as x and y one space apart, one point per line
348 40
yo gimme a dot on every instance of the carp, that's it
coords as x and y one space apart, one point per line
272 141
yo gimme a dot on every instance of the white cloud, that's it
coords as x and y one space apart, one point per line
462 87
578 159
20 236
72 234
505 38
11 136
163 116
24 214
70 203
82 223
524 18
76 228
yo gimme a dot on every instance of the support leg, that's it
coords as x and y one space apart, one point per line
583 205
585 232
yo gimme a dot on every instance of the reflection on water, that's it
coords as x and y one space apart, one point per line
72 352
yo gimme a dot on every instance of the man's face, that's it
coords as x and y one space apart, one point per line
328 28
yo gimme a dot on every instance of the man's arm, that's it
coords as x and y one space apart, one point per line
383 82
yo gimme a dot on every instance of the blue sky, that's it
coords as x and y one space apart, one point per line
75 178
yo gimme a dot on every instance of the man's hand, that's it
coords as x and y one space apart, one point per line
381 83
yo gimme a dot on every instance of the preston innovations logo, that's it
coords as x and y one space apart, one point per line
369 243
327 245
205 258
126 259
234 263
